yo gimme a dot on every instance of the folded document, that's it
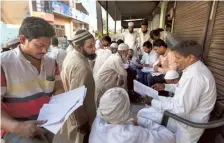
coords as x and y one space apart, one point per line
60 107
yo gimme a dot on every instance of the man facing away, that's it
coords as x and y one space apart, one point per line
112 73
76 72
102 55
195 94
56 53
114 125
28 79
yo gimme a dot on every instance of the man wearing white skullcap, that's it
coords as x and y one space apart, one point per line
131 38
172 77
112 73
76 72
114 47
113 123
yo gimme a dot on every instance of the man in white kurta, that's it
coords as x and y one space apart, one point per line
131 38
144 35
101 56
194 97
112 73
113 123
56 53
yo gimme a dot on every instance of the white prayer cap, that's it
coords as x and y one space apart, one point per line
172 74
130 24
114 106
123 46
114 45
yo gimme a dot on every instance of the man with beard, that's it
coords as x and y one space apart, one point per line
112 73
76 72
144 36
131 38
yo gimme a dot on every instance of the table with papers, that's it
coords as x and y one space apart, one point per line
60 107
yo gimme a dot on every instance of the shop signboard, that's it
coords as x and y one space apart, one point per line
62 9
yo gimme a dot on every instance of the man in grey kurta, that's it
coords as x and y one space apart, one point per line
76 72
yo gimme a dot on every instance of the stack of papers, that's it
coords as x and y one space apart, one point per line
60 107
144 90
147 70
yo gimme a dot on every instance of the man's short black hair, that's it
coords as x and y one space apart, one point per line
54 41
154 33
188 47
34 27
160 29
147 44
144 22
119 41
107 38
159 43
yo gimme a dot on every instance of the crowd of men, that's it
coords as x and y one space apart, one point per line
37 69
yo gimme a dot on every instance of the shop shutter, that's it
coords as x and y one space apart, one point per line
190 20
215 58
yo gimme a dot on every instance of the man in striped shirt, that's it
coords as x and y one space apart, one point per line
28 79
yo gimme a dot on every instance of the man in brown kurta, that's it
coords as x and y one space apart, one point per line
76 72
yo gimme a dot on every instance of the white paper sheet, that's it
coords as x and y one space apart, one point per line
147 70
144 90
60 107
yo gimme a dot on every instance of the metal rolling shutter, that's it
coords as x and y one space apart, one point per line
190 20
215 59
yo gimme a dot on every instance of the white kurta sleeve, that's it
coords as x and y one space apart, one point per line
119 68
143 59
170 87
184 100
155 133
153 58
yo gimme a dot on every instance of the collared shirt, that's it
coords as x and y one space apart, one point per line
150 58
57 54
167 62
143 37
194 98
23 89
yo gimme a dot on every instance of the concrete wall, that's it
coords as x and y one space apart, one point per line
155 22
13 12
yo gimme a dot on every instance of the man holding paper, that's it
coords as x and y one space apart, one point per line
76 72
194 97
148 59
165 62
28 79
